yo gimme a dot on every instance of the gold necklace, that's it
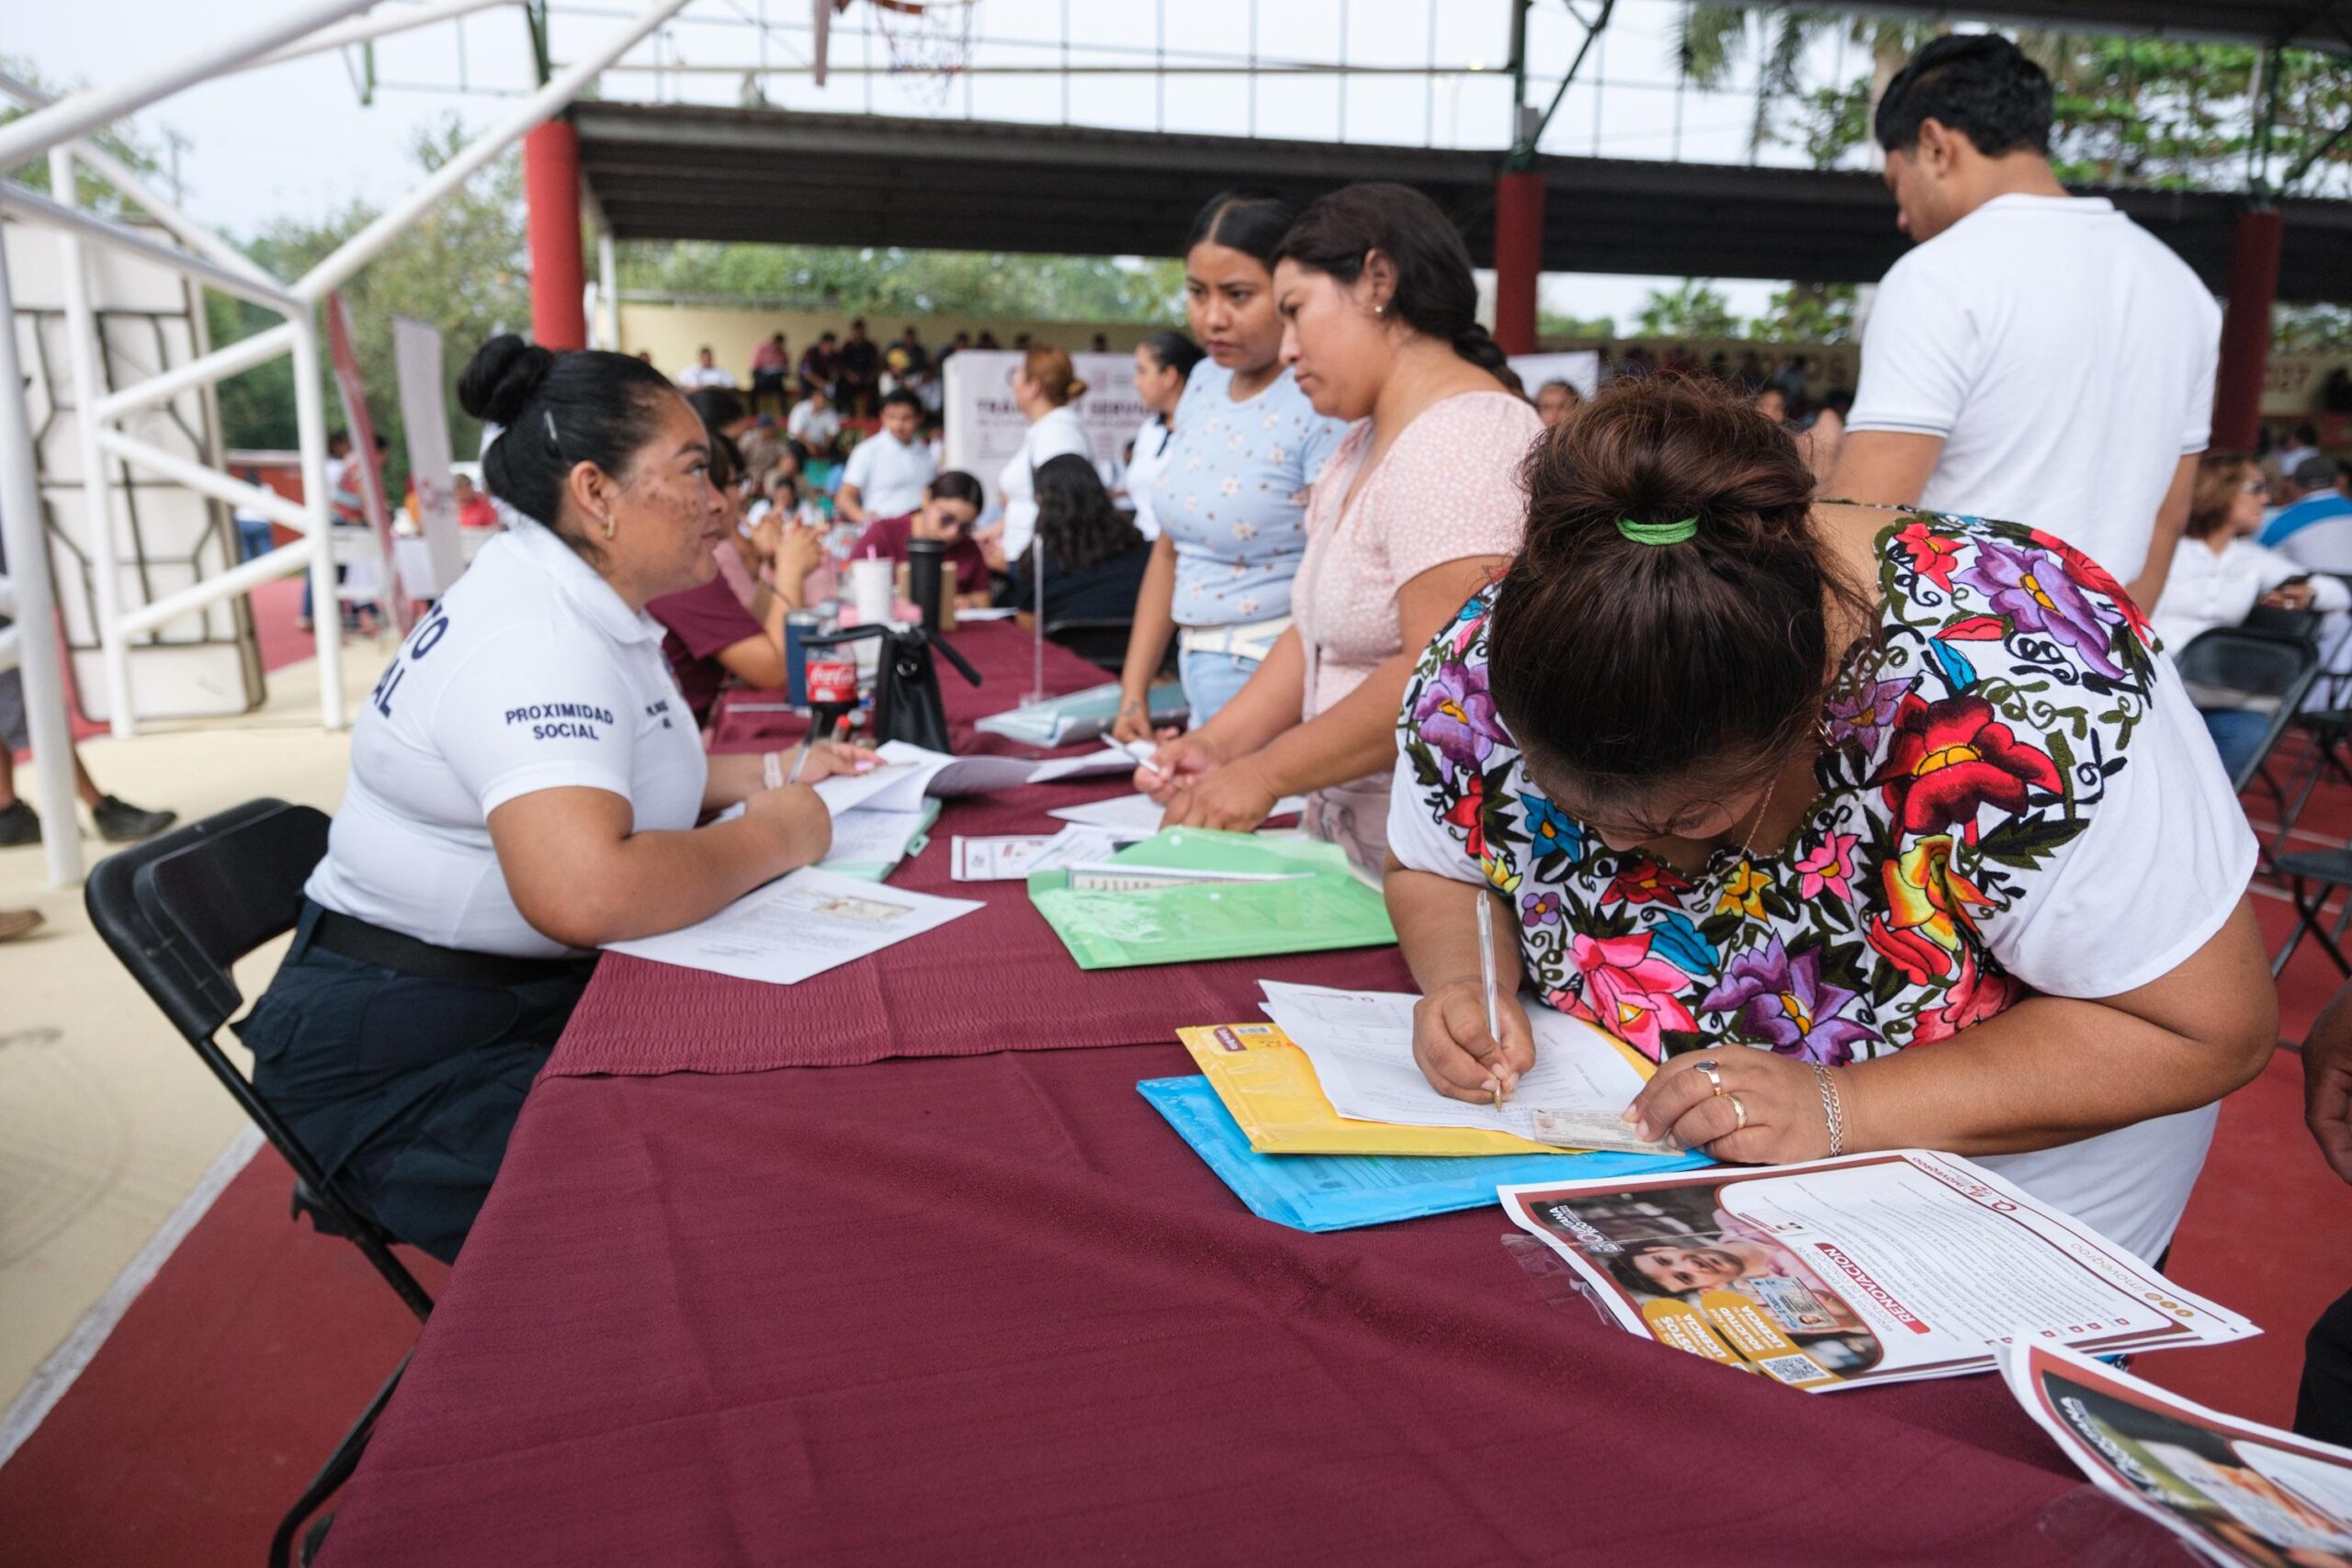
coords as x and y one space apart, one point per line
1748 844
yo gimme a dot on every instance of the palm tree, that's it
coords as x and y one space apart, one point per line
1712 38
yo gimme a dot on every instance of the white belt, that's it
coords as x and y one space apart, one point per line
1249 639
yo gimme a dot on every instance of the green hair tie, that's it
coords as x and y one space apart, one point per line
1654 534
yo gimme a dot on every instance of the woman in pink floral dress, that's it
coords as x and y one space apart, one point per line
1907 802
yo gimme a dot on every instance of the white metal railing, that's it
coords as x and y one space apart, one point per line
58 126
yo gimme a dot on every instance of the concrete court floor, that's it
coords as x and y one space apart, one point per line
108 1120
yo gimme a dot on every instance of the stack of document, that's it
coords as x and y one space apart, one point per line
1337 1192
909 773
1360 1044
1321 1121
1081 715
1218 895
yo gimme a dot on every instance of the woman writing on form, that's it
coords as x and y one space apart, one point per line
1419 506
1230 496
525 783
1782 794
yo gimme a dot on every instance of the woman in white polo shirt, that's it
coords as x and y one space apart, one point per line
1044 386
525 783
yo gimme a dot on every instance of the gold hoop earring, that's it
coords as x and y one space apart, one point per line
609 524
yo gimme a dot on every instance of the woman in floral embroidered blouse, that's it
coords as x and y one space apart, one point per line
1833 782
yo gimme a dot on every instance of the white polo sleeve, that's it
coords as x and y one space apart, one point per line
537 706
859 469
1919 355
2196 411
2167 842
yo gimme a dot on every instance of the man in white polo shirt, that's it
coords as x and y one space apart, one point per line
888 470
2037 357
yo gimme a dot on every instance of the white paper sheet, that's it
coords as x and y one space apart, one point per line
1361 1045
910 772
1138 815
992 612
869 834
797 926
1013 858
847 792
1094 764
1003 858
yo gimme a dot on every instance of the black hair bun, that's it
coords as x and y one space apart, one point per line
501 375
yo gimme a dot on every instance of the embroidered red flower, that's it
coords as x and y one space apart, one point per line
1948 759
1469 813
1646 881
1974 996
1932 554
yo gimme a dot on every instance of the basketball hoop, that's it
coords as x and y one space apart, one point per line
930 43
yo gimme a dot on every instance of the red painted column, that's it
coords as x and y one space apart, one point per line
558 275
1519 258
2245 331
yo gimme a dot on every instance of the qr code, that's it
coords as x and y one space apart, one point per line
1791 1369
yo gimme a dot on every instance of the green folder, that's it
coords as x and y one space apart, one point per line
1317 906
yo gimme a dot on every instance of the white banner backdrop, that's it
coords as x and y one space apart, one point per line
416 355
1580 369
984 428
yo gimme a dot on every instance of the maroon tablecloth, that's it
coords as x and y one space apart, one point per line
993 1310
996 980
1003 654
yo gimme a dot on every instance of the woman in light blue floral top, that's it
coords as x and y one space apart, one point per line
1231 494
1875 828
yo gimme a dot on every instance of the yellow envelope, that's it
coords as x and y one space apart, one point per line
1269 1087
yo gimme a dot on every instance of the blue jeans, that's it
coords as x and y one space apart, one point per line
253 538
2238 735
1211 679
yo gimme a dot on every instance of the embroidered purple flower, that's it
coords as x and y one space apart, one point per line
1456 716
2039 594
1539 910
1860 713
1786 1003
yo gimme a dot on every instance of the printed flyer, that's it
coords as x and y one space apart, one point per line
1877 1267
2238 1492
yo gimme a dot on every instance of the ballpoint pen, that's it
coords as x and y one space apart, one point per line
1487 979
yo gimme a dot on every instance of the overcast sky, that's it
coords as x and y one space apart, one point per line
294 141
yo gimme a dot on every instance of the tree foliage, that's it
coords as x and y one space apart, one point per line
1807 312
2129 110
1694 308
886 281
461 269
123 140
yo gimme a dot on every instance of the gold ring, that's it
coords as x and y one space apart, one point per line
1740 1111
1708 1070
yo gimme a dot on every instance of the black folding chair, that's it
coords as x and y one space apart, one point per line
178 910
2248 669
1101 642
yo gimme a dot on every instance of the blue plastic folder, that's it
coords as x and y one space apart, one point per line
1339 1193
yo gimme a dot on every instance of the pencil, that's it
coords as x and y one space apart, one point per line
800 757
1487 979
